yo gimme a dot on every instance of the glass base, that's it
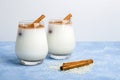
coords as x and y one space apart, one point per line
60 56
30 63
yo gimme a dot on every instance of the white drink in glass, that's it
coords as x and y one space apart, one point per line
31 44
61 41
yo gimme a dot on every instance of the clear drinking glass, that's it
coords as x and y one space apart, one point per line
31 43
61 41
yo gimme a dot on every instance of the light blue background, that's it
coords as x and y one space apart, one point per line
106 56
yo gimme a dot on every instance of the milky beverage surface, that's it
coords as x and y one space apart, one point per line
61 38
31 43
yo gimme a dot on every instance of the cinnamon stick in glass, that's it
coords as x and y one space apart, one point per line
36 21
68 17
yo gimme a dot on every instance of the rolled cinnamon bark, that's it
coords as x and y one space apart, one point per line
68 17
76 64
36 21
39 19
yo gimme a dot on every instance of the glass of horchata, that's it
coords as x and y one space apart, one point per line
31 43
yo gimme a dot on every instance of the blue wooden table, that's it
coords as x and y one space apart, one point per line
106 56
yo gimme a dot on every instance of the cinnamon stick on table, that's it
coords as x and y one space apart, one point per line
75 64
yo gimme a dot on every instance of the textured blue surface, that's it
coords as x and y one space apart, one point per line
106 56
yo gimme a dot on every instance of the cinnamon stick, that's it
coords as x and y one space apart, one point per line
36 21
39 19
76 64
68 17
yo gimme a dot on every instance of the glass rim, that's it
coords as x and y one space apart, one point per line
59 21
27 21
23 24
